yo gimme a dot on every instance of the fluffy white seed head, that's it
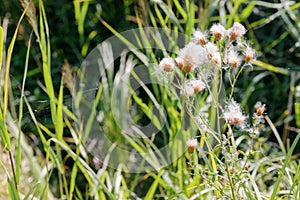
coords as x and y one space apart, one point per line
260 108
218 31
232 58
188 89
198 85
249 53
192 144
216 58
192 56
200 37
236 31
167 64
233 113
211 48
193 87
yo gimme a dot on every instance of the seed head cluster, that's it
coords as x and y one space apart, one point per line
233 113
210 53
217 47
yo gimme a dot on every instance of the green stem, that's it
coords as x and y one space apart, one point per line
13 168
215 171
230 181
234 81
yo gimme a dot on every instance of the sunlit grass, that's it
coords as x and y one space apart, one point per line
270 171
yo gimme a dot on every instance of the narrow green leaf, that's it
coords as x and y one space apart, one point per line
295 6
233 13
8 61
297 112
13 193
153 187
91 119
59 124
190 20
85 47
255 187
1 46
270 67
80 20
276 42
131 46
247 11
73 179
147 110
283 168
180 9
161 19
89 174
18 156
46 147
170 14
4 133
76 9
6 82
277 135
296 180
44 43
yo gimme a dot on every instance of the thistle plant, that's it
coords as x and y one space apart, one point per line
211 63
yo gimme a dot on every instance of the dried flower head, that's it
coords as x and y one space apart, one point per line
233 113
193 87
216 58
236 31
218 31
191 144
191 56
167 64
211 49
232 58
188 89
260 108
180 62
200 37
249 53
198 85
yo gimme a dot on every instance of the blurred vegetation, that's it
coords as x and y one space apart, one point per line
273 28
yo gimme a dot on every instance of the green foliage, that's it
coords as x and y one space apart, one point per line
61 166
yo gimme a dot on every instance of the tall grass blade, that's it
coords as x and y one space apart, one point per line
59 125
18 156
153 187
190 20
1 47
297 113
4 131
170 14
283 168
46 147
254 185
270 67
13 193
73 179
44 42
233 13
276 134
89 173
180 9
247 11
80 15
